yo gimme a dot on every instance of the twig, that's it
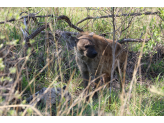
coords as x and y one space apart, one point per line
128 25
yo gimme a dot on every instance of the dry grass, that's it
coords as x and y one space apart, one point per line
53 66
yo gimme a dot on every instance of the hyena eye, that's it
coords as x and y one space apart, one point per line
87 46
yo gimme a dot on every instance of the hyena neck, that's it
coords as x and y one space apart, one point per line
80 56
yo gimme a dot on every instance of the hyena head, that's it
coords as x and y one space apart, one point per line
85 45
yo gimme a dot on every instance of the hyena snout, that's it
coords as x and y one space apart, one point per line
92 54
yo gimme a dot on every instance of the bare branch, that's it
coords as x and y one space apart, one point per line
110 16
63 17
8 21
132 40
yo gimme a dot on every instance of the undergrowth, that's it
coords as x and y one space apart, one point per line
53 64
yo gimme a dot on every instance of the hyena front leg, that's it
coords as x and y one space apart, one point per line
84 73
97 83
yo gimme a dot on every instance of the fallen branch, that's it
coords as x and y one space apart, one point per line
110 16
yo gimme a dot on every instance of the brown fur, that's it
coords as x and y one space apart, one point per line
102 63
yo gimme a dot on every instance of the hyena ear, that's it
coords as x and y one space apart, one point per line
91 34
76 40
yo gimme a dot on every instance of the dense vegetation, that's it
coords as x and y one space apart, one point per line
51 62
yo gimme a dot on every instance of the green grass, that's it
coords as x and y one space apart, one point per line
142 102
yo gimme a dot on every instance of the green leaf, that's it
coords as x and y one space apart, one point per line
1 45
144 28
29 110
8 79
2 37
2 66
155 33
142 15
17 16
12 112
12 70
23 26
10 15
29 50
13 42
24 102
159 39
32 41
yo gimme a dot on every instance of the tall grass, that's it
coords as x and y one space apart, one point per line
53 65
